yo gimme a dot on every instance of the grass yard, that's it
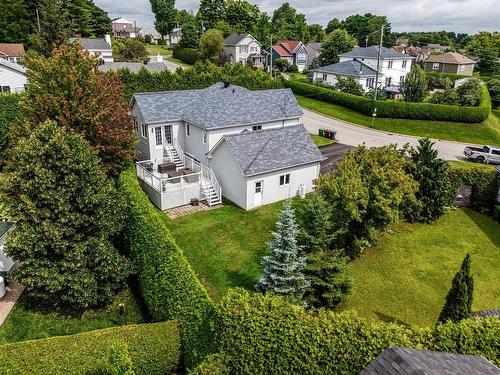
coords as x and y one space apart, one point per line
488 132
155 49
28 323
405 278
320 141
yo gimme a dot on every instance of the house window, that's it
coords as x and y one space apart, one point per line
390 64
4 88
205 137
188 130
256 128
388 81
401 79
136 127
325 77
144 131
285 179
370 82
404 63
435 66
258 187
243 49
158 136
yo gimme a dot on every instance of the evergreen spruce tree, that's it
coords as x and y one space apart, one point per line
284 266
431 173
316 228
54 27
458 303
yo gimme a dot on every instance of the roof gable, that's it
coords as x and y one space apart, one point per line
450 58
12 49
235 39
354 68
121 20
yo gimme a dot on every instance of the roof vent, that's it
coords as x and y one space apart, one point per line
226 84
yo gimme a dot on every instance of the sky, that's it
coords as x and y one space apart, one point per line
465 16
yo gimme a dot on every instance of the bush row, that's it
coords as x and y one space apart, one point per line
9 112
451 76
267 335
186 55
483 179
155 349
199 76
398 109
167 282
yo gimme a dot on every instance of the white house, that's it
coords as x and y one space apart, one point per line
12 77
244 48
13 52
99 47
394 66
184 135
6 263
357 70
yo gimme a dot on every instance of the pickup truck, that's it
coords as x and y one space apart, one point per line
485 154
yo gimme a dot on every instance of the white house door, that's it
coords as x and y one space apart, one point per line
258 194
167 133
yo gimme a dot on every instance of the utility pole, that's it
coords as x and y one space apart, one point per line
38 21
378 62
271 57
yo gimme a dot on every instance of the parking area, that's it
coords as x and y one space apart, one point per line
333 154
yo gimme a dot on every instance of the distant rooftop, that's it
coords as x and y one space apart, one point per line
267 150
372 53
450 58
352 68
234 39
218 106
12 49
95 44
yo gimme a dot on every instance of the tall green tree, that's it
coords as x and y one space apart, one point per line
486 47
431 173
130 49
333 24
165 16
184 17
189 38
316 33
288 24
212 44
67 213
363 26
315 225
242 16
100 23
15 21
458 305
54 27
284 266
337 42
80 15
210 12
415 85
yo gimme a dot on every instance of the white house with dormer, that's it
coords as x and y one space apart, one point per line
244 48
223 141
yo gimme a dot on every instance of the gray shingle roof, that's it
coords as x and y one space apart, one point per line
234 39
353 68
218 107
395 361
372 52
95 44
272 149
134 67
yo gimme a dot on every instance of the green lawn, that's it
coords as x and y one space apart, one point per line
27 323
405 278
320 141
487 132
155 49
178 62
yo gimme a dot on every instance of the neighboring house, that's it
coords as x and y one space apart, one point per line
133 67
293 51
418 53
99 47
151 31
12 77
437 48
174 37
6 263
394 66
193 145
13 52
123 28
355 69
450 62
403 361
313 51
244 48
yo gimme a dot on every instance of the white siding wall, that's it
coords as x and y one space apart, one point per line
332 80
193 144
229 175
231 51
106 56
395 72
6 263
12 78
273 192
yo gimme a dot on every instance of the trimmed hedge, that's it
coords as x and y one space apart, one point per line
168 284
483 179
9 112
451 76
266 335
398 109
187 55
154 349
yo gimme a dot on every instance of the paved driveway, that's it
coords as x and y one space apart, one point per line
333 154
354 135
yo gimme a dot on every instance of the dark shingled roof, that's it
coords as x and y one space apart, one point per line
234 39
133 67
268 150
95 44
352 68
396 361
372 52
486 313
218 107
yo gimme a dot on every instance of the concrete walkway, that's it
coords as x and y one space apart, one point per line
14 291
355 135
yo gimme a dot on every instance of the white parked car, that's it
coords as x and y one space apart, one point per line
485 154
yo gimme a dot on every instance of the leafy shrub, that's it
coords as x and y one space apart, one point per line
9 113
469 92
349 85
494 89
167 282
482 178
130 49
186 55
266 335
282 64
447 96
154 349
293 68
398 109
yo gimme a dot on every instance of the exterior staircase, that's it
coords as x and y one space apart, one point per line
210 193
169 151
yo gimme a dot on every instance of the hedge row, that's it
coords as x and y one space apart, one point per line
168 284
267 335
483 179
154 349
451 76
9 112
186 55
398 109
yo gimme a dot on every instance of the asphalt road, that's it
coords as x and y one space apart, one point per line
333 154
354 135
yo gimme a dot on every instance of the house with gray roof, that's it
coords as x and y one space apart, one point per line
362 73
394 66
403 361
189 130
244 49
99 47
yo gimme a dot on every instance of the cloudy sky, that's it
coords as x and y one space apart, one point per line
467 16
